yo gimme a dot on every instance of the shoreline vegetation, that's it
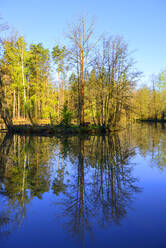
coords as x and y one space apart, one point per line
152 120
48 129
44 128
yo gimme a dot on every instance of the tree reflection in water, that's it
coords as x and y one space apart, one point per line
24 174
100 185
90 179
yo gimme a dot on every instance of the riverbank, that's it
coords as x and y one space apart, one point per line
59 129
153 120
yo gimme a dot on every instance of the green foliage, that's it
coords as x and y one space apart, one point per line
162 80
59 55
66 116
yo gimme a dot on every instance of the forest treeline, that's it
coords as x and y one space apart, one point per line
94 81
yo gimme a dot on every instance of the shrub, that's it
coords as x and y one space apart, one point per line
66 116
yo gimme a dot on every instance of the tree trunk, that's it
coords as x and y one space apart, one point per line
82 79
23 81
14 104
18 107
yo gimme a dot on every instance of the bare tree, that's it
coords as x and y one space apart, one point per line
80 35
115 80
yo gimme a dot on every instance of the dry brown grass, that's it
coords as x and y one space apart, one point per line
23 121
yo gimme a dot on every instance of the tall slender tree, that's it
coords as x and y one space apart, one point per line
80 35
59 55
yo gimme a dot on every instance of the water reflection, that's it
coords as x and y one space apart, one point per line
151 141
90 179
100 185
24 174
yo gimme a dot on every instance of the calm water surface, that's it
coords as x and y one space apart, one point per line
84 191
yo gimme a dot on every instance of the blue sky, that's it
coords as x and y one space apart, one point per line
142 23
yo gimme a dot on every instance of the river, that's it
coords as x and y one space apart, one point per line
84 191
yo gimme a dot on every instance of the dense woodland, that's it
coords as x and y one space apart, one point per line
88 80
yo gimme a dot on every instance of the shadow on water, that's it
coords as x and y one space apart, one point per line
90 179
